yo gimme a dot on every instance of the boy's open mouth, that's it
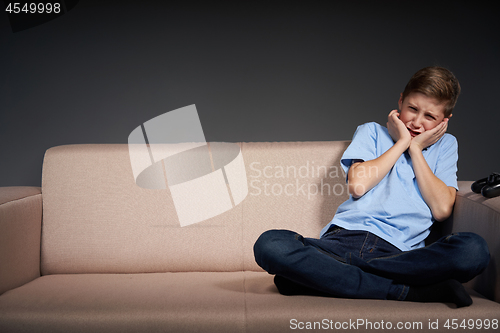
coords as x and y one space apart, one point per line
413 133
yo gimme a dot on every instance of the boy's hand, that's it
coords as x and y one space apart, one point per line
397 130
429 137
437 195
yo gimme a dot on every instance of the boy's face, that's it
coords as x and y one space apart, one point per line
420 113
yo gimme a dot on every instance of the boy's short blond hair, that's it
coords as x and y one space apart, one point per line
436 82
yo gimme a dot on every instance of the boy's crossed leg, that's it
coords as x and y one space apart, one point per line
288 255
460 256
302 266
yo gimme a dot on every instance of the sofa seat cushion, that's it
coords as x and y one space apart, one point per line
153 302
203 302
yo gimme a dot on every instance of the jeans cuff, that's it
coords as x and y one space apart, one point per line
398 292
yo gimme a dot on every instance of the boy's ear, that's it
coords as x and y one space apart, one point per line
400 102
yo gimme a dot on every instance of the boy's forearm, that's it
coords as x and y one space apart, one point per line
437 195
363 176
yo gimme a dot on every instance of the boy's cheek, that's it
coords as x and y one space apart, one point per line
430 126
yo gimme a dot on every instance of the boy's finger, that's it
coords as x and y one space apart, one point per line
439 130
395 115
440 127
444 126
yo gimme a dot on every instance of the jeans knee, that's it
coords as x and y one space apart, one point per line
271 247
479 246
262 243
269 241
475 254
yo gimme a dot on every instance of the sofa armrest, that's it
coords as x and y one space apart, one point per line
475 213
20 231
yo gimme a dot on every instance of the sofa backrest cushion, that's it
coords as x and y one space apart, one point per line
97 220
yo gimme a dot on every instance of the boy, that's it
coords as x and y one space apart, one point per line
401 179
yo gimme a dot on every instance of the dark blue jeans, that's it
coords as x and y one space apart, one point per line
358 264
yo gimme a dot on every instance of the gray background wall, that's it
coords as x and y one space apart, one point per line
257 71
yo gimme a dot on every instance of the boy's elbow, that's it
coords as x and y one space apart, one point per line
443 213
444 210
357 190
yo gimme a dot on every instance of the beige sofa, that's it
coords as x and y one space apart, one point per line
92 252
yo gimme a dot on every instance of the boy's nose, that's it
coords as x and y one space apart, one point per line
417 122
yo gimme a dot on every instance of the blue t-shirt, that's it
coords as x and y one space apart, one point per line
394 209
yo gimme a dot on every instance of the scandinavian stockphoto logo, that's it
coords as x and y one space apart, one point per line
204 179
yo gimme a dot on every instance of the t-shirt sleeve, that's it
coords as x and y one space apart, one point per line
362 147
446 166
